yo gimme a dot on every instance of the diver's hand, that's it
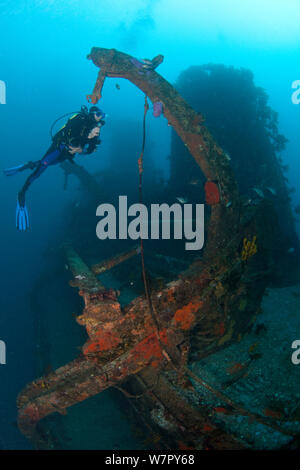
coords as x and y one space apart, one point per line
94 132
73 150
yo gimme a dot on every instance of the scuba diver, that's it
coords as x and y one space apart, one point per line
81 130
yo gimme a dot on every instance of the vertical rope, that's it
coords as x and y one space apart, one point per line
140 163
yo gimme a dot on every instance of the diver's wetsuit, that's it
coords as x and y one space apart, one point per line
74 133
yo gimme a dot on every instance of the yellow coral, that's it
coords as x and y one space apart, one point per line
219 290
249 248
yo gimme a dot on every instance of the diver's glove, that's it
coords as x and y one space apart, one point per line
92 147
22 219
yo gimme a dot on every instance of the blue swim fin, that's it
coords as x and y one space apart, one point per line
22 219
14 170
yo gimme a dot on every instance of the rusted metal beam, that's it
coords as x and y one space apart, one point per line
84 278
105 265
189 125
119 345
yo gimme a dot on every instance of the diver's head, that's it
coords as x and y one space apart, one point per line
97 113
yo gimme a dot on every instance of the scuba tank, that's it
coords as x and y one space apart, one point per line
83 110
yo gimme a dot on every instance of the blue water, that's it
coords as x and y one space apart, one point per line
43 51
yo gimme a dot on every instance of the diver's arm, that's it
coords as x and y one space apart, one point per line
93 139
72 150
92 145
95 132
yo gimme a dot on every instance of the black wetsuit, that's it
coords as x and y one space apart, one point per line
74 133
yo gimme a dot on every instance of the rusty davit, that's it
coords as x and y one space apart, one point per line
208 307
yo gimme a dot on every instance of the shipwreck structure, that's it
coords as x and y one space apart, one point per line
144 347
